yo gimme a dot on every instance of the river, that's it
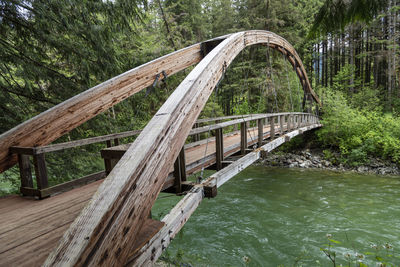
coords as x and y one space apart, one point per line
284 217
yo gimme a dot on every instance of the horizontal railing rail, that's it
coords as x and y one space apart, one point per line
296 119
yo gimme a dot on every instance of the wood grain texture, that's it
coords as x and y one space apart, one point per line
59 120
110 223
180 214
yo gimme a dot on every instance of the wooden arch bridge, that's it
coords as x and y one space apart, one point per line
106 221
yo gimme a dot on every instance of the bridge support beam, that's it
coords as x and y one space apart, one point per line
219 149
110 223
25 171
40 171
260 124
272 128
243 138
180 171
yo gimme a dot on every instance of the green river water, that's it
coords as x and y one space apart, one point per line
281 217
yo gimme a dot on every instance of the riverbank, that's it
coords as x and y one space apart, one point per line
313 158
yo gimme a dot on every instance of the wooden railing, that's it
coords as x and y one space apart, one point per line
42 190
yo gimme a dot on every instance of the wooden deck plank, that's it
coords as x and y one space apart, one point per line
35 252
45 224
29 228
29 209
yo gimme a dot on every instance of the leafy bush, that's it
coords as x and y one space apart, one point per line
358 133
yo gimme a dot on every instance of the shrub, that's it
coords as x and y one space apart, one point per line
358 133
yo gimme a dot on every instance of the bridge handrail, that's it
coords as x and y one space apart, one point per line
109 137
221 118
205 129
31 150
112 220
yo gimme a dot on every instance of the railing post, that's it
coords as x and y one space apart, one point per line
108 143
116 142
298 121
281 122
272 128
196 137
260 124
219 148
180 170
25 171
243 137
294 125
40 171
289 123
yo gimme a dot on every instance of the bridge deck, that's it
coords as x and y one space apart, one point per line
30 229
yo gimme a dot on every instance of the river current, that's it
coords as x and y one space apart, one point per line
286 217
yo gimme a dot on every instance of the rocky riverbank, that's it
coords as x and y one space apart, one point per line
316 159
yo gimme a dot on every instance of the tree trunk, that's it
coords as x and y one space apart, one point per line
351 56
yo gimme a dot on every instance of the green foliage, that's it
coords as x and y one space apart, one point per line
358 133
10 182
334 15
377 254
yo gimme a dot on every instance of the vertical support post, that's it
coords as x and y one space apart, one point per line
196 137
292 122
289 123
40 171
108 143
219 148
281 122
272 128
182 159
25 171
180 170
243 137
116 142
298 121
109 163
260 123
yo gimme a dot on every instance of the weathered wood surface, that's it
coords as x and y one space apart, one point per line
24 216
220 118
179 215
230 171
201 153
29 229
111 221
59 120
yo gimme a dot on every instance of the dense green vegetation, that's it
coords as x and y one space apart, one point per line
52 50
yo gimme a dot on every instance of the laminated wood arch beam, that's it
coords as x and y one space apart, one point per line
108 226
66 116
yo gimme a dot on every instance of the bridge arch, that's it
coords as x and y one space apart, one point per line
66 116
112 220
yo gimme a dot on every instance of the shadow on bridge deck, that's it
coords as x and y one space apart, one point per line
30 229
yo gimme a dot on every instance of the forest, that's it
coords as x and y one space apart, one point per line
53 50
